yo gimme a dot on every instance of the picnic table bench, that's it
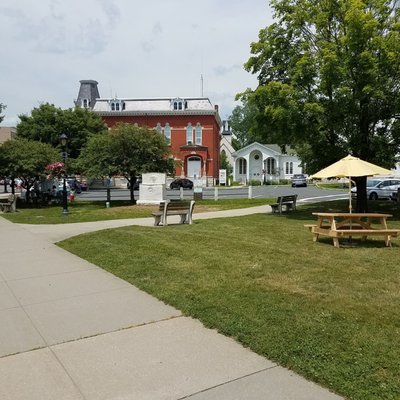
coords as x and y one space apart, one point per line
339 225
289 201
166 208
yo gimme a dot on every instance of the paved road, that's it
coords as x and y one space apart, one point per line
310 193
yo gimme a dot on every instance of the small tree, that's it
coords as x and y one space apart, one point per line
126 150
27 160
224 163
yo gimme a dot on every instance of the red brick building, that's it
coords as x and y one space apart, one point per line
190 125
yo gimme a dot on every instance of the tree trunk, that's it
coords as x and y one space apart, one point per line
132 182
12 185
362 201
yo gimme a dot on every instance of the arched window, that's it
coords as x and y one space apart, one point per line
158 128
85 103
167 133
270 167
178 104
189 134
117 105
242 166
198 134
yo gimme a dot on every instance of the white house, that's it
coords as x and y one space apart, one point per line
264 162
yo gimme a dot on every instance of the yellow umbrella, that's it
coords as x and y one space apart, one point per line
349 167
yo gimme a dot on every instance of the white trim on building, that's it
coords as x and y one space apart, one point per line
264 163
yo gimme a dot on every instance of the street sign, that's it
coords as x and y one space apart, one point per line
222 176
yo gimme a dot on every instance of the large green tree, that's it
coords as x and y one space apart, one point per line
329 81
126 150
47 122
26 160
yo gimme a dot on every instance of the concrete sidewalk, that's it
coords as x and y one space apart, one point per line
70 330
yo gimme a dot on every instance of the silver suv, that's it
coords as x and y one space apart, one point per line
380 188
299 180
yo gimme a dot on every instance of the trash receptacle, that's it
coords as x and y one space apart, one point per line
198 193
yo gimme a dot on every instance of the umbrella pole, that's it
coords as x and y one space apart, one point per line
350 205
350 209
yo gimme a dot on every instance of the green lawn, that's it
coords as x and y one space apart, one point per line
87 211
332 315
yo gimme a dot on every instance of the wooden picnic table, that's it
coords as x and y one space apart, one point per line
338 225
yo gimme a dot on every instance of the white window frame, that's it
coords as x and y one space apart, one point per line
189 133
198 134
270 165
289 168
167 133
242 166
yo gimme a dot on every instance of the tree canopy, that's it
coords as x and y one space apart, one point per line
47 122
329 81
242 122
26 159
126 150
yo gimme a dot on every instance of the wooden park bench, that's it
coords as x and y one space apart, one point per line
174 207
288 201
10 204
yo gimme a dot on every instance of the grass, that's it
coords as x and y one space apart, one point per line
337 186
332 315
88 211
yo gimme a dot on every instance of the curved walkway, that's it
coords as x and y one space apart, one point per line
71 331
58 232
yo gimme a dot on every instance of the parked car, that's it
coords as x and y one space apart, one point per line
380 188
299 180
76 186
181 183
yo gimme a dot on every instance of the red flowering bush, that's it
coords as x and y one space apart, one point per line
55 170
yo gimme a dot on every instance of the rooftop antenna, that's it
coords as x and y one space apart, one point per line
201 85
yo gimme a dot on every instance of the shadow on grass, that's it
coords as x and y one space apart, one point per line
304 211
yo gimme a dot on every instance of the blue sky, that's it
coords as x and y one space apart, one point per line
155 48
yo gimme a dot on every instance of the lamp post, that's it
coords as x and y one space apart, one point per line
63 140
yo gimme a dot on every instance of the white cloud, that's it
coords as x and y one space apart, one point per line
157 48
